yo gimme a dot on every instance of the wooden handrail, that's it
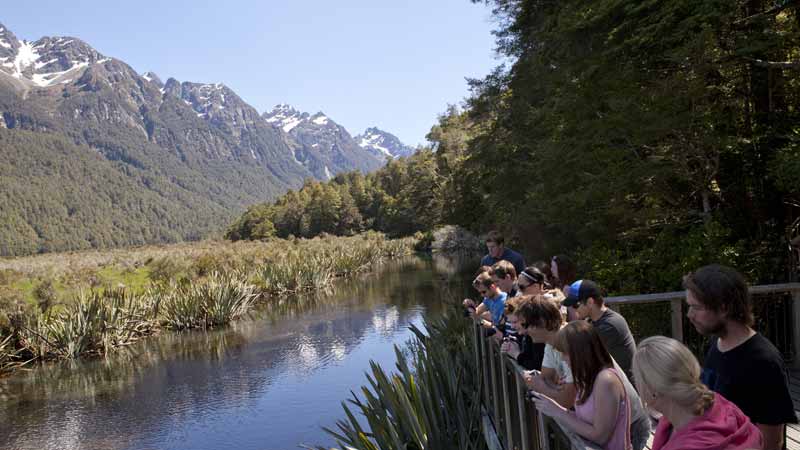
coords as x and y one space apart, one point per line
667 296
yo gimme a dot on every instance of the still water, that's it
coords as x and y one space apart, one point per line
269 382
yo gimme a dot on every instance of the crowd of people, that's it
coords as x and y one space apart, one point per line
583 366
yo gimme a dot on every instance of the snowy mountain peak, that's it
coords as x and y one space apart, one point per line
285 117
46 62
382 143
319 119
153 78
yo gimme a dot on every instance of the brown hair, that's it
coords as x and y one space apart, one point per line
587 354
567 272
503 268
513 304
721 289
539 312
483 278
483 269
496 237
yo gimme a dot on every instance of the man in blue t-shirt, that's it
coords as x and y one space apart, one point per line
495 244
490 311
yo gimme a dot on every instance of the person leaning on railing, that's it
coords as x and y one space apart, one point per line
603 404
694 417
527 353
541 319
490 311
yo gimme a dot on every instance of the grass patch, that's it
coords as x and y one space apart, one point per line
64 306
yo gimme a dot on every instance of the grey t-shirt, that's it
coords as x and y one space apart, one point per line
614 331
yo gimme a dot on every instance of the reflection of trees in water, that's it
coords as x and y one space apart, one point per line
76 395
168 378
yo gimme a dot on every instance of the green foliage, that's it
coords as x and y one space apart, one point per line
184 286
648 137
431 402
95 323
207 303
401 198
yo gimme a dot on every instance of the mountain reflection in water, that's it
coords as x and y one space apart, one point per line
270 382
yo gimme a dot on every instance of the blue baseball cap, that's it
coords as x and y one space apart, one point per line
581 290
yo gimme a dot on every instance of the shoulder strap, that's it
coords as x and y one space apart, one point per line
628 445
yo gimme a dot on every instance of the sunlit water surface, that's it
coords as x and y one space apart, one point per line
270 382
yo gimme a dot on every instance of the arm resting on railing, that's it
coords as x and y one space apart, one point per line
608 392
546 384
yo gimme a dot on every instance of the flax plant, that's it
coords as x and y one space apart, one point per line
208 303
431 402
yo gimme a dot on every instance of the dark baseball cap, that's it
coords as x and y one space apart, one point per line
581 290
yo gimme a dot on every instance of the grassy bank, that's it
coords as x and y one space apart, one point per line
64 306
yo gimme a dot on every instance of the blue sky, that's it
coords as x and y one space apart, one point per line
391 64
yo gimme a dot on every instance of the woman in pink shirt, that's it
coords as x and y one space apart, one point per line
694 418
602 408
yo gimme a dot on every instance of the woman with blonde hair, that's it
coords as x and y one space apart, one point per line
694 417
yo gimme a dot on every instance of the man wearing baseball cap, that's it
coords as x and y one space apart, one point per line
587 300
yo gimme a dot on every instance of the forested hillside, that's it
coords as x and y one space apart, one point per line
645 138
62 196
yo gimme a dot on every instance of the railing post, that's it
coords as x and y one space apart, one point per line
524 418
796 328
506 375
499 393
677 318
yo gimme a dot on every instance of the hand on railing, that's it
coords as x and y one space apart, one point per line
510 347
547 405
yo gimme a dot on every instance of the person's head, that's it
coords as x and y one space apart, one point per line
495 244
716 295
531 281
666 372
563 270
539 317
546 271
586 354
511 310
483 269
485 286
585 297
504 275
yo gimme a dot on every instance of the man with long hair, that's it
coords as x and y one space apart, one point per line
741 364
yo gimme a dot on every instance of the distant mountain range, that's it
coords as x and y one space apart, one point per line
186 157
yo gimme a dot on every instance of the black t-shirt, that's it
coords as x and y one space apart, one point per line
614 331
753 377
531 353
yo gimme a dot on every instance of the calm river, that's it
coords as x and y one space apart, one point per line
269 383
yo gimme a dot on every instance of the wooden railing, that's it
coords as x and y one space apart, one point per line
767 292
511 421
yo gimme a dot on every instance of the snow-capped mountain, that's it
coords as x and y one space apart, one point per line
322 146
383 144
47 62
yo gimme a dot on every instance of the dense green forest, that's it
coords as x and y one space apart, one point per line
642 137
56 195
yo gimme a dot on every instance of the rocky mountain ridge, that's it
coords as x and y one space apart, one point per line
179 144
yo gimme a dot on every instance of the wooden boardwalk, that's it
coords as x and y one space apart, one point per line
793 430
